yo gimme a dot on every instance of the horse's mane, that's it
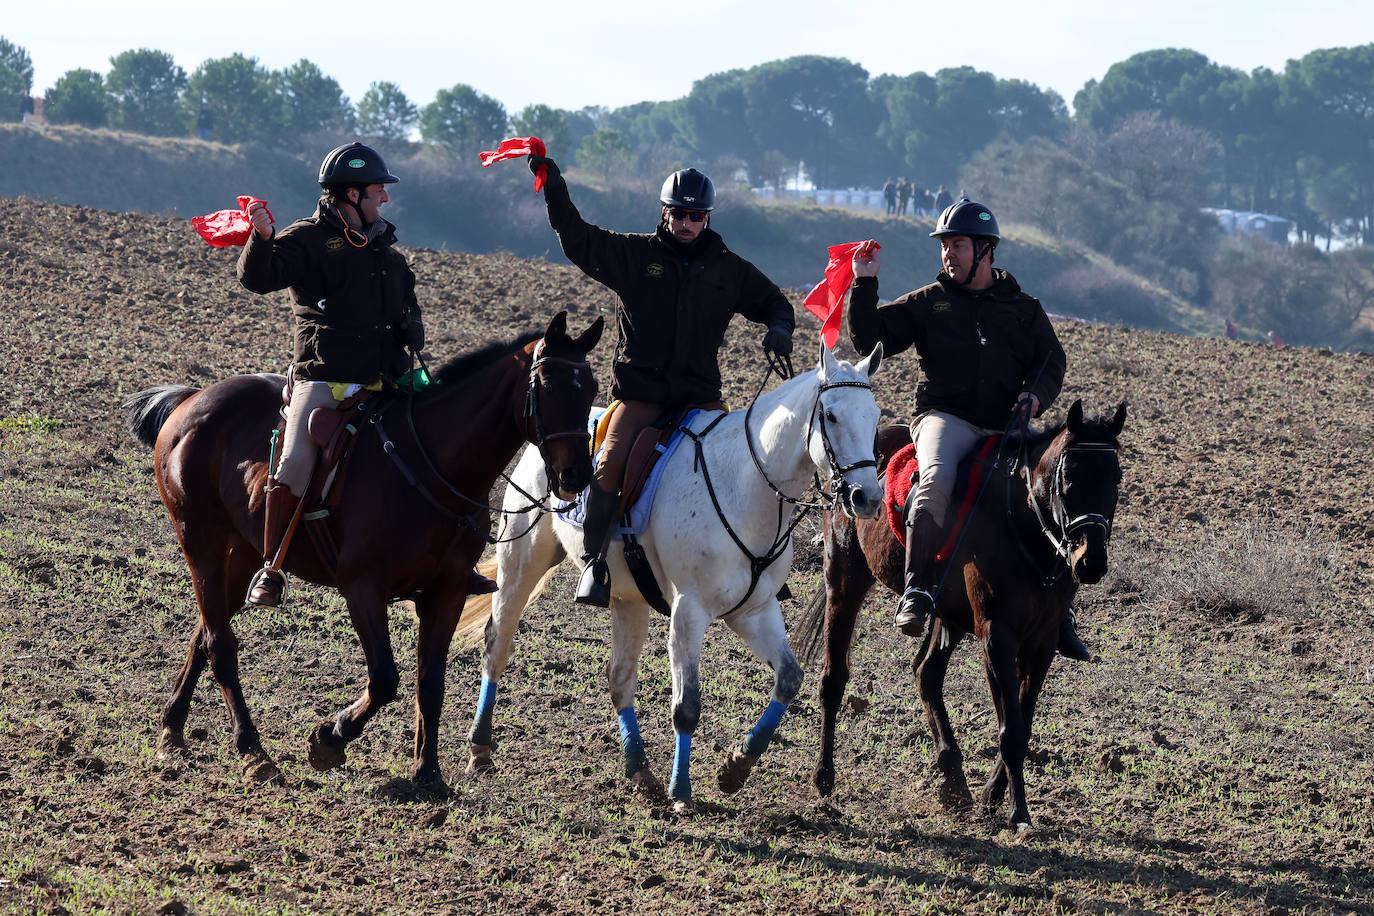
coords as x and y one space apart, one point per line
469 364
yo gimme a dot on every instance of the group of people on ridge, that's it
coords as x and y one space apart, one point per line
986 349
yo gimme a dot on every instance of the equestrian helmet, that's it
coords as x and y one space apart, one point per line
689 189
354 164
965 217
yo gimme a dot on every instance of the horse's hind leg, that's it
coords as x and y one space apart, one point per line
847 581
367 609
685 633
520 567
764 632
173 739
629 629
930 670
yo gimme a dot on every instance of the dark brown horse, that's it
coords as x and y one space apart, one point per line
396 538
1023 554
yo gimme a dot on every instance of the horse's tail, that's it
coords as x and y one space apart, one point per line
806 637
145 412
477 609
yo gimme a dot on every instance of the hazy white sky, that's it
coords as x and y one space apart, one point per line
573 53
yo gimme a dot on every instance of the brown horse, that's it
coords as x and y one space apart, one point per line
412 521
1030 541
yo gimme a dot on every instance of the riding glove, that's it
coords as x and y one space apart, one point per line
778 340
415 334
537 161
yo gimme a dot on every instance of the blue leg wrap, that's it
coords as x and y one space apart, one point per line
756 742
630 742
680 787
480 733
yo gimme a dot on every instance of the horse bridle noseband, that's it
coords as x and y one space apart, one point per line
534 424
1063 543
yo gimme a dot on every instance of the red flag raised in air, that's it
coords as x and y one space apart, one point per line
224 228
826 300
519 146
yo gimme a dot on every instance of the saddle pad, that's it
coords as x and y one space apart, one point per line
901 472
639 512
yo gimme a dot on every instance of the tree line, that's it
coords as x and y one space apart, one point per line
1160 135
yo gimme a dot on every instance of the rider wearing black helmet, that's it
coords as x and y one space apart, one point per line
356 314
986 349
679 286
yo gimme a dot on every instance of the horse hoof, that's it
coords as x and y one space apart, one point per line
479 759
326 750
171 746
258 767
1024 830
824 781
430 780
734 772
648 790
684 807
955 797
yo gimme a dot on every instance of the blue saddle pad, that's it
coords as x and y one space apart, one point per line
643 506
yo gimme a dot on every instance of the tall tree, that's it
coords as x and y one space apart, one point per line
713 118
16 76
1166 80
314 102
145 88
241 96
385 113
605 154
548 124
463 121
78 97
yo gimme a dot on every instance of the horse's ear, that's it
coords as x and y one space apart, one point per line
558 327
869 364
1118 421
1075 421
589 337
827 362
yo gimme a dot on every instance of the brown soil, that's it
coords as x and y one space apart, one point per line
1216 758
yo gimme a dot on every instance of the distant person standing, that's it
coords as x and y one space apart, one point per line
903 195
943 200
205 122
26 107
890 196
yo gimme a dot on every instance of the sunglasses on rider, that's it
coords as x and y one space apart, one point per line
695 216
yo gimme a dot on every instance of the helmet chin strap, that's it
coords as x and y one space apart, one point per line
977 259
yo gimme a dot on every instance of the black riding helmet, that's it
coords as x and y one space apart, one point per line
965 217
354 164
688 189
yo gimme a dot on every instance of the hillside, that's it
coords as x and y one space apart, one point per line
463 207
1215 759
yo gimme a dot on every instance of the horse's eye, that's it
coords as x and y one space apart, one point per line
830 415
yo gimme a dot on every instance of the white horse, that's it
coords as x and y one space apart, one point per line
723 508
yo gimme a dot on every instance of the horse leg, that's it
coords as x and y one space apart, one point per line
629 629
173 740
438 614
1000 666
367 609
686 631
762 629
929 670
847 581
520 566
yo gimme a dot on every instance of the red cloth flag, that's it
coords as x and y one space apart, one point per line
519 146
224 228
826 300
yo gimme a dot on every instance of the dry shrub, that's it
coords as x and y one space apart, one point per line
1238 573
1103 292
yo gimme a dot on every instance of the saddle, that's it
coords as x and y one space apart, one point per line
649 446
899 470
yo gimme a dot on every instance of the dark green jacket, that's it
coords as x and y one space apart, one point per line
675 302
352 305
978 350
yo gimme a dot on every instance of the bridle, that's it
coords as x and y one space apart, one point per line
1059 516
531 417
836 469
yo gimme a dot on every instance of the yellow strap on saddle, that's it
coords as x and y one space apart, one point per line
344 390
603 424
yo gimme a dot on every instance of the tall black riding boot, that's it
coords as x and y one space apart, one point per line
923 537
267 586
598 526
1070 646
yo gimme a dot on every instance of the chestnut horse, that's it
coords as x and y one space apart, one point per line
412 520
1030 541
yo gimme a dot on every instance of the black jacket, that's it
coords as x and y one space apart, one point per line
675 302
978 350
352 305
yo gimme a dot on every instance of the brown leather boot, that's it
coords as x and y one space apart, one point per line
598 526
479 584
923 538
269 583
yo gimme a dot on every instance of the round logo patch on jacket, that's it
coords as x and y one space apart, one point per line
334 243
654 270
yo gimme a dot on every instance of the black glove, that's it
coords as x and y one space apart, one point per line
778 340
415 334
537 161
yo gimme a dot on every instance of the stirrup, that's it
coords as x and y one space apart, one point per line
267 588
594 587
914 612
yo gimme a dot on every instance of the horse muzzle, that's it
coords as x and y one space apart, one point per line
1089 557
860 501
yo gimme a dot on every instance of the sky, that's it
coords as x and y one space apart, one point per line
596 52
